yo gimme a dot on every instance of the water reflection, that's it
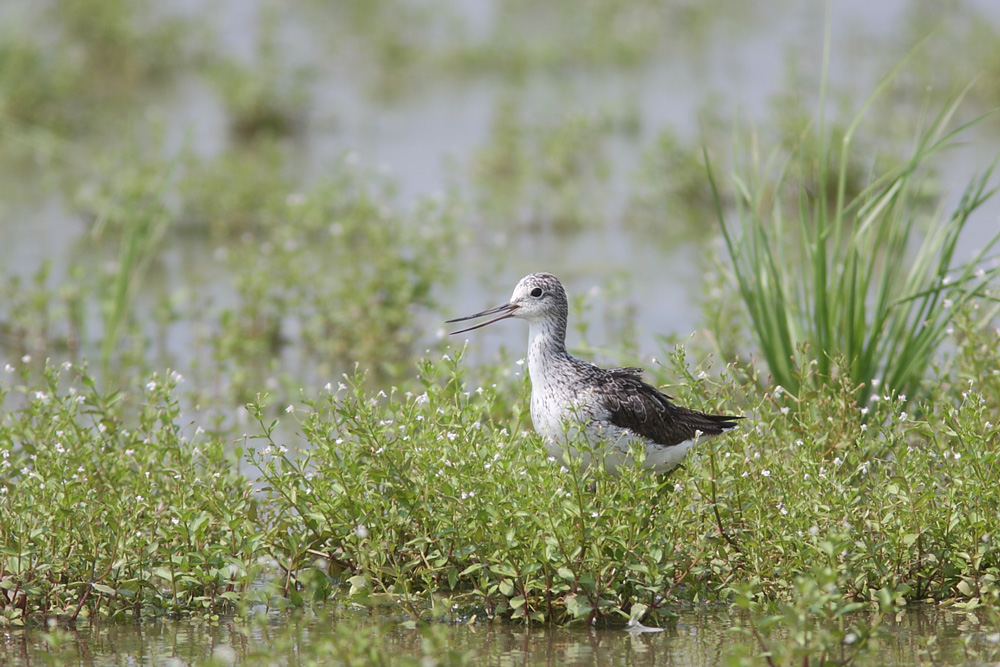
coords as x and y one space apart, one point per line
924 634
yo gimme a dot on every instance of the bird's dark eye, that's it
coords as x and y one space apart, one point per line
537 292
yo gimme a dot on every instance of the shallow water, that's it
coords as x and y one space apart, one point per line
734 65
923 634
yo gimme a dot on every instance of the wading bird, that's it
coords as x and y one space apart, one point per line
608 408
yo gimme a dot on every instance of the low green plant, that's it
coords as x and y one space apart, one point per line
439 497
38 318
420 499
817 626
339 281
113 508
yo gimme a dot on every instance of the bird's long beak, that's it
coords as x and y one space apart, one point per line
507 310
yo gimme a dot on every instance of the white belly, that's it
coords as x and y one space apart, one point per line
584 435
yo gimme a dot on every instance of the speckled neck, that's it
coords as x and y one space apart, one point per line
546 345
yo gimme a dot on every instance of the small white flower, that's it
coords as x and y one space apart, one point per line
814 530
864 427
26 359
139 499
784 410
520 362
903 416
290 409
361 531
765 472
151 386
864 410
175 521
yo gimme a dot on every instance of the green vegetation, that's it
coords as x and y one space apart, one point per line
408 500
547 175
842 284
435 499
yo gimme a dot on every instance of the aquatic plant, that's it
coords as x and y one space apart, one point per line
848 285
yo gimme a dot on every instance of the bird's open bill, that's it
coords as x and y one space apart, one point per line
508 309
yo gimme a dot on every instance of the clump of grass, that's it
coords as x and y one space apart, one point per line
99 53
267 98
37 318
340 280
849 278
548 175
240 191
670 194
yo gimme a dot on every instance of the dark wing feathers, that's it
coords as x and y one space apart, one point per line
628 371
645 410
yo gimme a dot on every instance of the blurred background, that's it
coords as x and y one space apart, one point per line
261 194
